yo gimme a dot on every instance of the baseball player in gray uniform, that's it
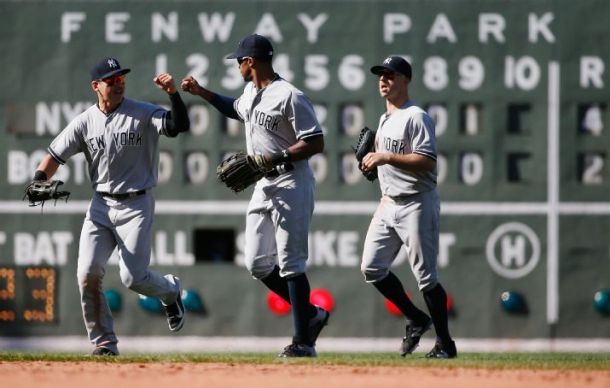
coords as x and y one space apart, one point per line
120 140
409 210
280 125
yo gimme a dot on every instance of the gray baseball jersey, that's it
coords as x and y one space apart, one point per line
407 130
407 218
279 213
122 154
128 137
276 116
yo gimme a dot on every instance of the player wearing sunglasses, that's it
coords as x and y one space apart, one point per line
119 137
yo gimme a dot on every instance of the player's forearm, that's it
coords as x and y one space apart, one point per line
224 105
178 119
203 93
411 162
48 166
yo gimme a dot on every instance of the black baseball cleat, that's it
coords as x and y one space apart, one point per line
175 311
441 350
412 337
317 323
298 350
102 351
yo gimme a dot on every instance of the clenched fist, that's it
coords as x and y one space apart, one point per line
190 85
165 81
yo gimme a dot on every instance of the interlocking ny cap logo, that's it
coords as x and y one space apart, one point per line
112 63
387 60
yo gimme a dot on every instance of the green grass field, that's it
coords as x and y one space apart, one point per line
574 361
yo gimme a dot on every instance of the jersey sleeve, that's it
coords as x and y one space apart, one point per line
241 103
158 117
378 132
422 138
299 111
238 105
150 117
69 142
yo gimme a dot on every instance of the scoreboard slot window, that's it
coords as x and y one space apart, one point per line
319 165
516 165
592 119
166 166
439 114
196 167
592 168
441 167
519 118
349 172
321 111
214 245
352 118
471 168
470 119
200 119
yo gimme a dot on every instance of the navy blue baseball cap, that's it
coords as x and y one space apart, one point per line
255 46
107 67
393 63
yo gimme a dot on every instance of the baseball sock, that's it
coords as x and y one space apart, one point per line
279 285
436 300
298 287
392 289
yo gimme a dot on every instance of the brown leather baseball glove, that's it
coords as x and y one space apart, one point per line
38 192
366 144
239 170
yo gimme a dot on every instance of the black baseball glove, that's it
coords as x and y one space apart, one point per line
366 144
38 192
239 170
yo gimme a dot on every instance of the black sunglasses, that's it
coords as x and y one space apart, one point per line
241 60
115 79
387 73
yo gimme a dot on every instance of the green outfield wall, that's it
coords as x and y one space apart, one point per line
519 91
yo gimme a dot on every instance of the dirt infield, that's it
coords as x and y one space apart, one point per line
44 374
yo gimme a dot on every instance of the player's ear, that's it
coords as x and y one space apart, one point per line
94 85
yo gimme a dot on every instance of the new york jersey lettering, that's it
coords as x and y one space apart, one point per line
129 139
270 123
393 145
96 143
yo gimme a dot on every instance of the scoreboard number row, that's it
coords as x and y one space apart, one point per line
28 295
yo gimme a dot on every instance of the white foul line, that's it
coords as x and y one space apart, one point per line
552 279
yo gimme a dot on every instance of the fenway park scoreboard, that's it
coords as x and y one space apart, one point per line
518 94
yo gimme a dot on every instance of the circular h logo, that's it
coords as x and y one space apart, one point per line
513 250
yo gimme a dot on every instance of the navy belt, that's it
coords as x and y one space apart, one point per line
131 194
279 170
